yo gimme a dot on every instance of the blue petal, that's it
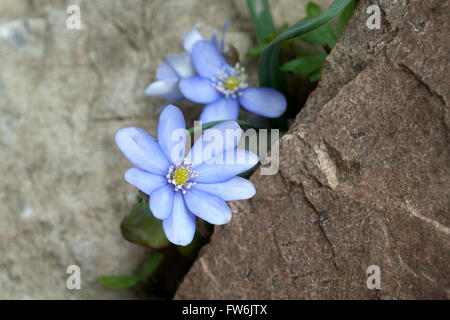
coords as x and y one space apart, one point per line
168 89
161 201
236 188
214 39
172 133
264 101
223 136
199 89
191 37
222 109
142 150
182 64
225 166
224 31
207 206
166 72
207 59
179 227
144 181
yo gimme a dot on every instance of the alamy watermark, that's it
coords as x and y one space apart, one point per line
374 279
74 19
74 280
217 147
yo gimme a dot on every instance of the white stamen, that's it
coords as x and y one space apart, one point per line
191 174
237 72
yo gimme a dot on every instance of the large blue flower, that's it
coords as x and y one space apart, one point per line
182 188
223 88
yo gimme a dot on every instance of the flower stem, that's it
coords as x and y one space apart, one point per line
213 123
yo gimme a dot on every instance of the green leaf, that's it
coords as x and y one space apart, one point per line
150 266
344 17
256 50
315 77
208 125
321 35
262 18
119 282
306 64
268 64
313 10
140 227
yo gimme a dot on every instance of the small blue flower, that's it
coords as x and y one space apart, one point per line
177 66
182 188
223 88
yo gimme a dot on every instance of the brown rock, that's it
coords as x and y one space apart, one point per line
364 177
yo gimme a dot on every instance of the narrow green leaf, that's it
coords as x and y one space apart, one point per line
306 64
150 266
344 17
208 125
141 227
119 282
262 18
268 64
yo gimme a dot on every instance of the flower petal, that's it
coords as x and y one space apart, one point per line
215 39
225 166
199 89
222 109
166 72
142 150
144 181
179 227
161 201
224 31
264 101
168 89
208 207
236 188
182 64
207 59
191 37
172 133
222 136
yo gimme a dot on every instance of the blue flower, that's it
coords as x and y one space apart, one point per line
223 88
177 66
182 188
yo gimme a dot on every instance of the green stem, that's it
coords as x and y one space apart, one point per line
213 123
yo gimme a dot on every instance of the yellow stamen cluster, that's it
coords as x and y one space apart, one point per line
181 176
232 83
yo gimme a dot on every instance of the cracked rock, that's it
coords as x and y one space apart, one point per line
371 149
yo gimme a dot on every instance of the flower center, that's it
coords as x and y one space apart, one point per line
230 81
181 175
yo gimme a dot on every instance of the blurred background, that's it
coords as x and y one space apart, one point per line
63 95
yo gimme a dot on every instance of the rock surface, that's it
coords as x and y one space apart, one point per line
63 95
364 177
